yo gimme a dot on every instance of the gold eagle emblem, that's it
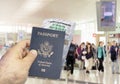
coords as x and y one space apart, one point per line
45 49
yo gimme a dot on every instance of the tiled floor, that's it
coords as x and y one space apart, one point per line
80 77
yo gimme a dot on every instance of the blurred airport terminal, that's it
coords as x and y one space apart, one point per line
17 17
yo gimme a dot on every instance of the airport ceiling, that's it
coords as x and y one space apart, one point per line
35 11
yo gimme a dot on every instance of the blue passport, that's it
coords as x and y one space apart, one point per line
49 45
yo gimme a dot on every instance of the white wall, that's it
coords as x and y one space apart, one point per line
87 31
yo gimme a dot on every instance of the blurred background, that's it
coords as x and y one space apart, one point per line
17 17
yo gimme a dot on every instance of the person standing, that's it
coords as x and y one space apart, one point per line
114 57
89 57
79 52
94 49
101 56
70 59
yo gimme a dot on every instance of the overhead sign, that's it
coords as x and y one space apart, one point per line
106 15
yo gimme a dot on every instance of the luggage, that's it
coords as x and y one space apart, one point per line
95 65
67 68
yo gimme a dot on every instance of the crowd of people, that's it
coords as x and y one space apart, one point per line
90 56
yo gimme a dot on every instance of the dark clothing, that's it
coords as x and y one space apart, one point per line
70 60
101 67
113 53
89 54
70 63
71 51
101 55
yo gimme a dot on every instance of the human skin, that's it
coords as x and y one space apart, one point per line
16 62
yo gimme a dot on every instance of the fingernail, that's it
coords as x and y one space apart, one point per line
34 52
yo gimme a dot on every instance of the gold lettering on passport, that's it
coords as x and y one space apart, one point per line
48 34
44 63
43 70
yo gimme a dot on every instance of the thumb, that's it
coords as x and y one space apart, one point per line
28 60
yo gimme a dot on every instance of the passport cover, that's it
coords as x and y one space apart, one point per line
49 45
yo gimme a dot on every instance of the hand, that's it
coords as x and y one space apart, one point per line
15 64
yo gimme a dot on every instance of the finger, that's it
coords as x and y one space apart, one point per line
28 60
22 44
19 48
25 52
